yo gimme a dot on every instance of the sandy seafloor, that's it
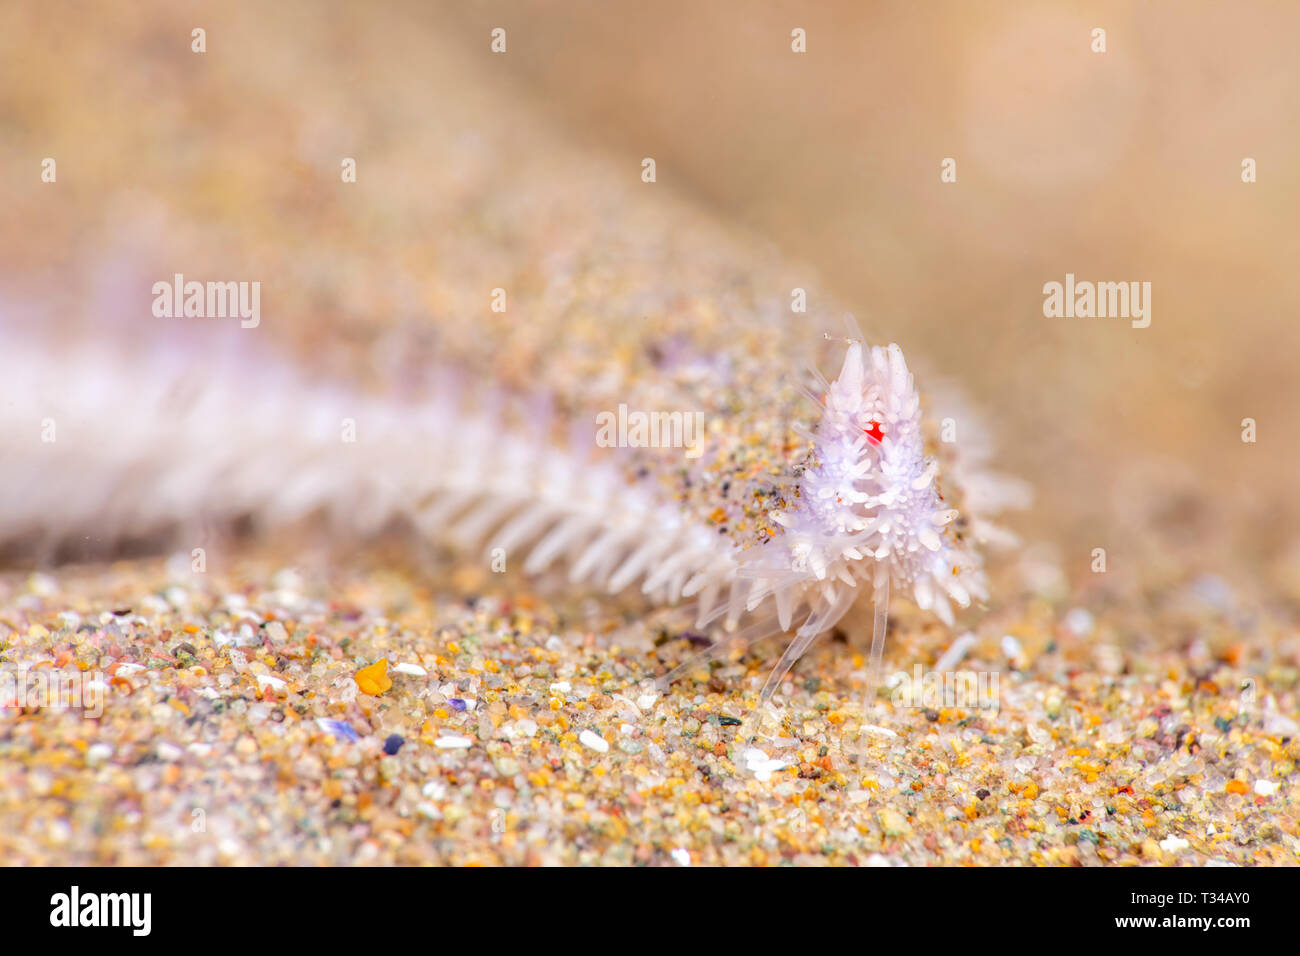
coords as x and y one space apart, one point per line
1147 715
529 738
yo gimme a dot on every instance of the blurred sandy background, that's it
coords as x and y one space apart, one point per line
1116 166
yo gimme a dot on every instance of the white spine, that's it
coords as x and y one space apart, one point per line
96 444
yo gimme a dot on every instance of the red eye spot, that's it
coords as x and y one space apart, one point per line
874 432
